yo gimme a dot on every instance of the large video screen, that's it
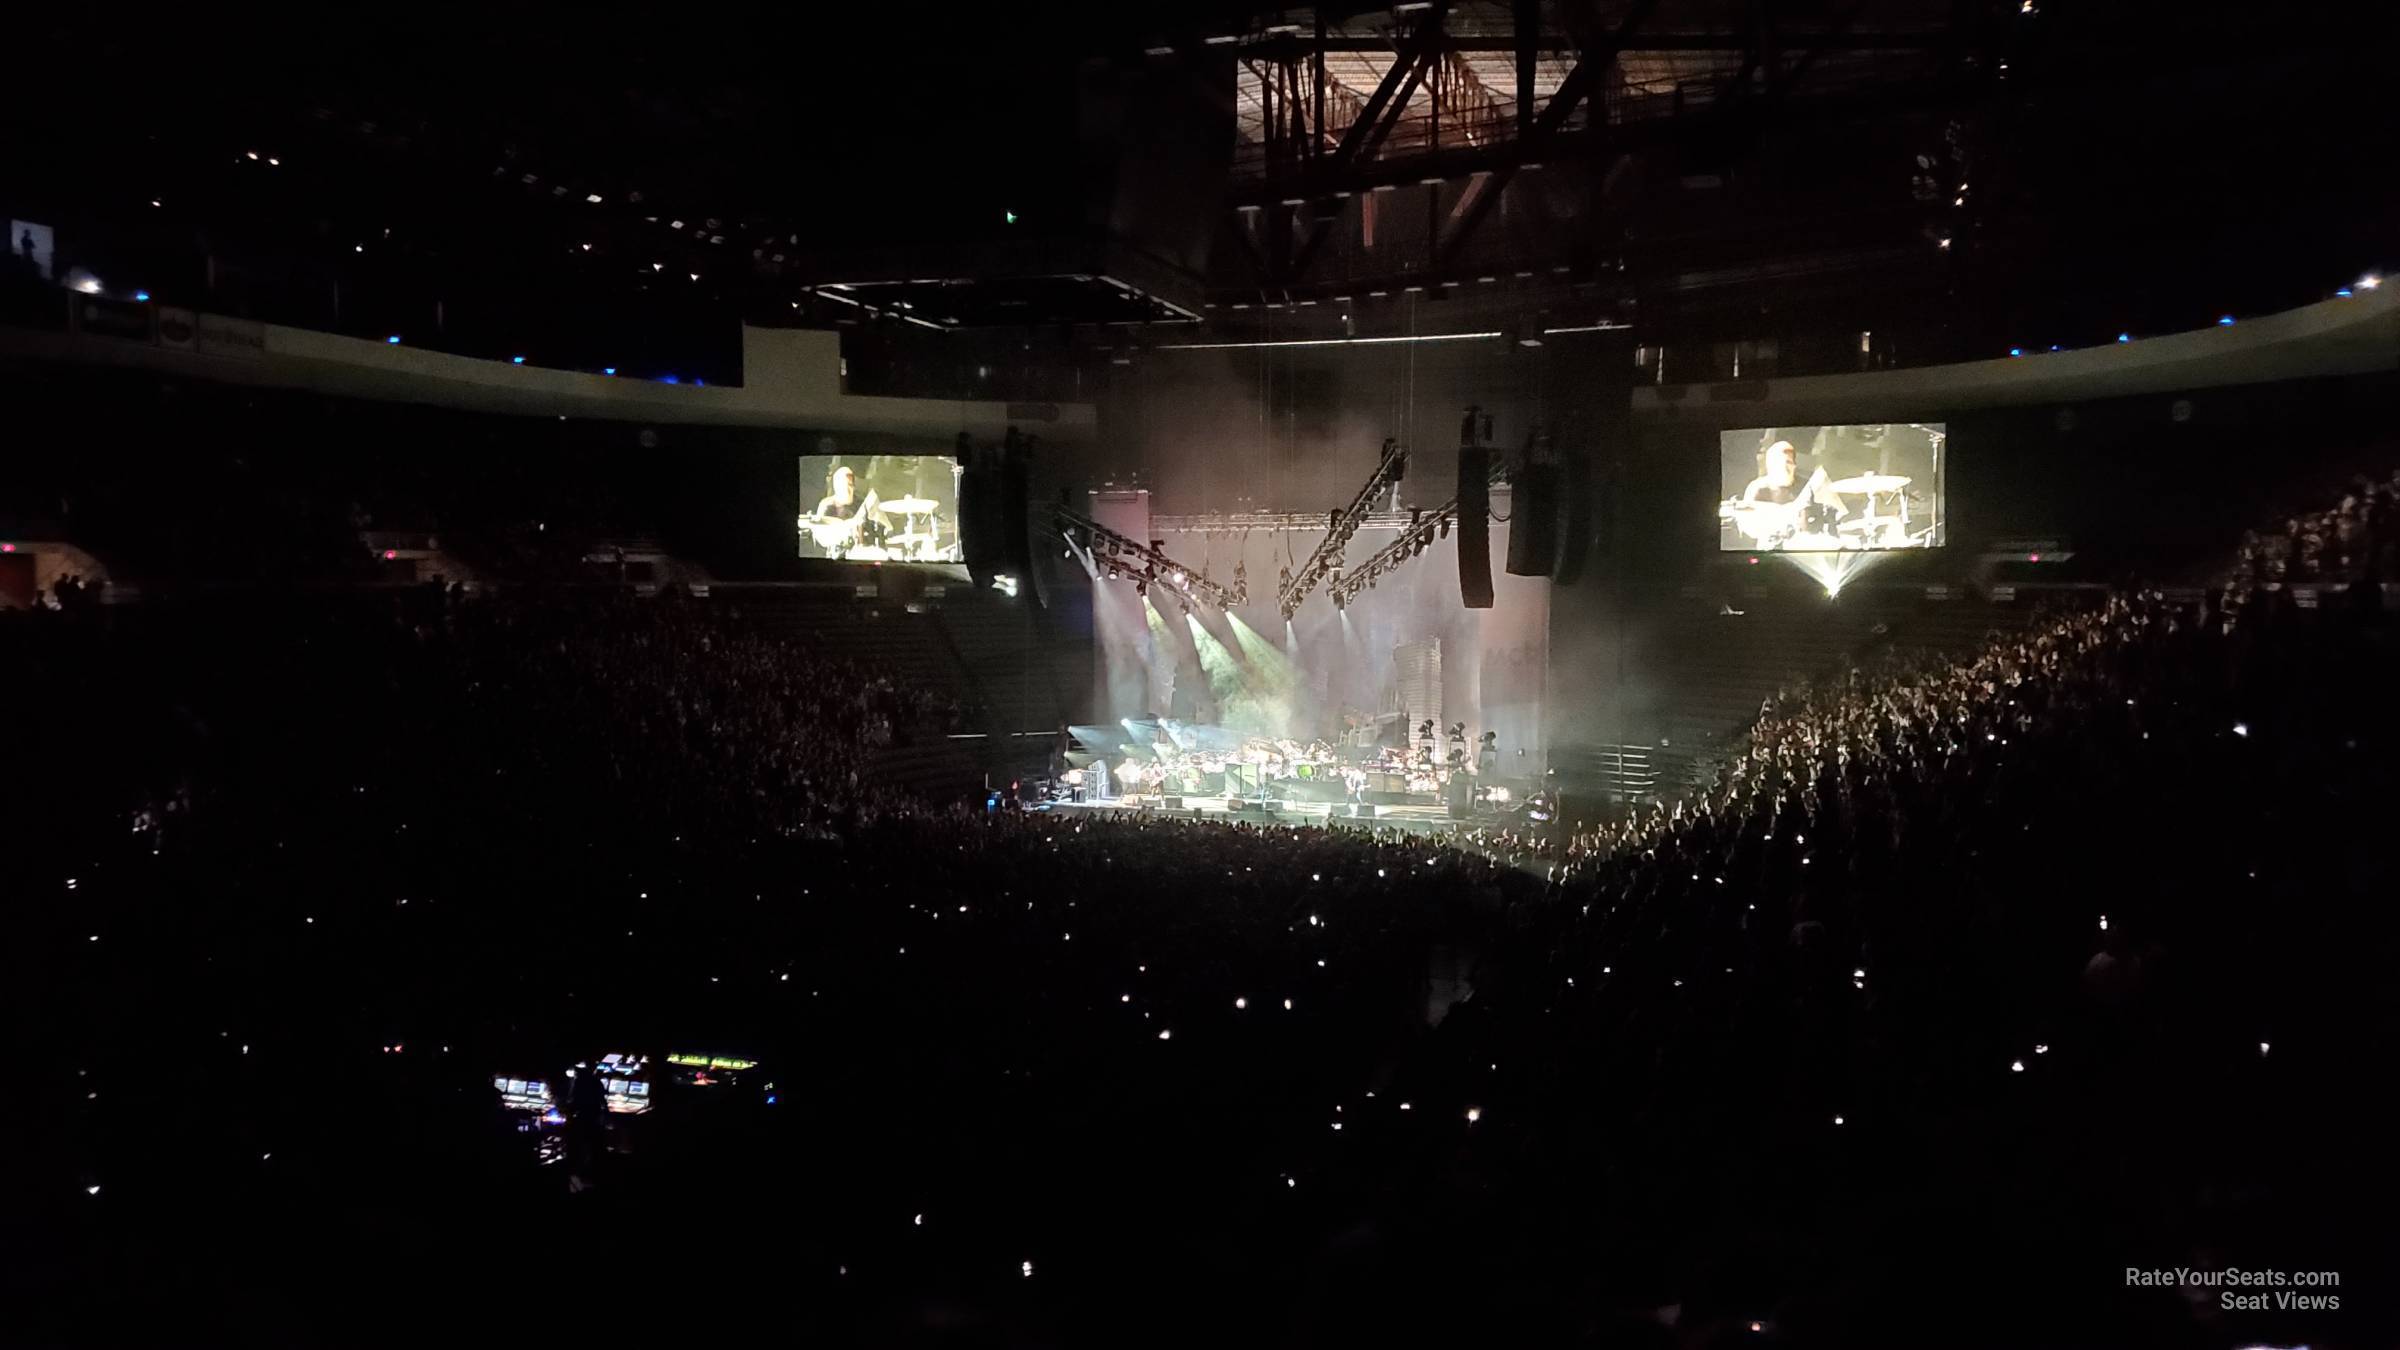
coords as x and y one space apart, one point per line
1832 489
879 508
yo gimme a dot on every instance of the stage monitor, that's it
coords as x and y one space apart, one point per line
879 508
1841 489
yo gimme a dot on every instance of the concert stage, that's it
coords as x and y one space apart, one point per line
1416 819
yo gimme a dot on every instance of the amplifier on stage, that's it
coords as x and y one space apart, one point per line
1174 803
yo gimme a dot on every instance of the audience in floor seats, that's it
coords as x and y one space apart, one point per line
2058 957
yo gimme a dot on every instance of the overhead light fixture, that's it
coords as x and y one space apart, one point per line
1330 342
593 198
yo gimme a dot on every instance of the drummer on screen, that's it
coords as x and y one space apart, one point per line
1778 483
842 505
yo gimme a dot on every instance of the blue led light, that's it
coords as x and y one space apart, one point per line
394 339
2016 351
141 295
2225 322
668 379
2124 337
516 360
608 370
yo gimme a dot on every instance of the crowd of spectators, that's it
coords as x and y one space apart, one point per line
752 728
2355 539
2058 957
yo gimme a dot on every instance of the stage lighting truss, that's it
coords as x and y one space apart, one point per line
1414 540
1116 555
1341 526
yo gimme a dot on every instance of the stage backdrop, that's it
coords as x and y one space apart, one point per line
1253 672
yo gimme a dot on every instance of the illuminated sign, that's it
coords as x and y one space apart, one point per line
712 1062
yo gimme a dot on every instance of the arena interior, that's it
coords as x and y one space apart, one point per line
1649 673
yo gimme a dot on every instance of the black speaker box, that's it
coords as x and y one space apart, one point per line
1475 526
1533 521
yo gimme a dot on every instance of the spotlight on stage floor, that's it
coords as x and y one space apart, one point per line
1832 570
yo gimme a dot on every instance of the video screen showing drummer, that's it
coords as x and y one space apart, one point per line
1832 489
879 508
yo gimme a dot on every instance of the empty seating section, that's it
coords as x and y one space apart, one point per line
1020 678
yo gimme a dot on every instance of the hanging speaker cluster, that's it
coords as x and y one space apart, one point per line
1475 526
1533 521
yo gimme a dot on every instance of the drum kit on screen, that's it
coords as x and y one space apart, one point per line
1806 526
871 537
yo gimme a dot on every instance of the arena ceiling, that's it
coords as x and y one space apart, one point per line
1691 158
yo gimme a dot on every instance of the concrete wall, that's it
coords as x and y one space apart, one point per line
791 378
